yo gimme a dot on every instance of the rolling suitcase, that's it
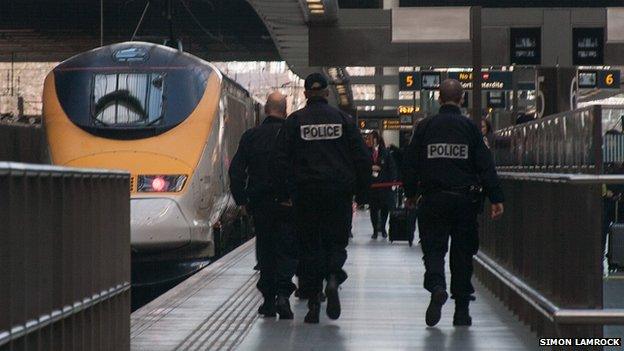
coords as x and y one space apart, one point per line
616 242
402 221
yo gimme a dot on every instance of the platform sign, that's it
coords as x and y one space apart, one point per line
369 124
407 110
609 79
409 81
430 80
526 46
391 124
491 80
496 99
588 46
602 79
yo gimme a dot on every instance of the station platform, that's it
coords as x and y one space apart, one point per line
383 308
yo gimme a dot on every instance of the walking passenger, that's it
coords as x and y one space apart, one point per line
380 200
322 151
449 164
252 187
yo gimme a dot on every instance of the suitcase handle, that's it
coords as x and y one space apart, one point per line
385 185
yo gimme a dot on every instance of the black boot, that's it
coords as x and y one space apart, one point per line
333 301
434 311
384 234
374 236
267 309
282 306
314 310
462 314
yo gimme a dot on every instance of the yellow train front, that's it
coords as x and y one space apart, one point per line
172 120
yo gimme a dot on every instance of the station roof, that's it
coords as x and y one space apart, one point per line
53 30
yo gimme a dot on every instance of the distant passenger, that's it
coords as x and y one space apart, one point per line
381 200
252 187
448 163
322 149
488 132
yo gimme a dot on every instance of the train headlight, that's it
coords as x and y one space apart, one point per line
161 183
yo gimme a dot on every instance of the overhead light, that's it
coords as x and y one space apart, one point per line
314 2
315 6
317 12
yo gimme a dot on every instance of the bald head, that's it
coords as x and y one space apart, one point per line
276 105
451 91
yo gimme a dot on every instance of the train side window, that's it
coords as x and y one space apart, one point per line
128 99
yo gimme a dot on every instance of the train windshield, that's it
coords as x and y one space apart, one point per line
130 91
128 99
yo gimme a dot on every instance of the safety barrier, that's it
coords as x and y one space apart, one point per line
65 258
23 143
585 140
544 257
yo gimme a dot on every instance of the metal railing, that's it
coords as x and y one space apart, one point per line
23 143
544 257
65 258
579 141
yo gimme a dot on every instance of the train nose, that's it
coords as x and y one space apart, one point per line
157 224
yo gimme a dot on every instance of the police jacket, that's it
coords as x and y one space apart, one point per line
447 152
250 178
320 148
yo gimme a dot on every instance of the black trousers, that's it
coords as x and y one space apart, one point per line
380 202
276 245
323 223
378 214
442 216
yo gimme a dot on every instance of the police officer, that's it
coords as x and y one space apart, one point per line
449 164
252 187
322 152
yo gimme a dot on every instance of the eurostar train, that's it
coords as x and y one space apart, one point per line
174 122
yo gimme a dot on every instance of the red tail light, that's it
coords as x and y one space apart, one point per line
159 184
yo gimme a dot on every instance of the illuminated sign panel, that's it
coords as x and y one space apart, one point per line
408 110
609 79
603 79
494 80
391 124
588 46
409 81
587 79
369 124
526 46
430 80
406 120
496 99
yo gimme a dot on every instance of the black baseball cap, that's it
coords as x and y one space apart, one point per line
315 81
